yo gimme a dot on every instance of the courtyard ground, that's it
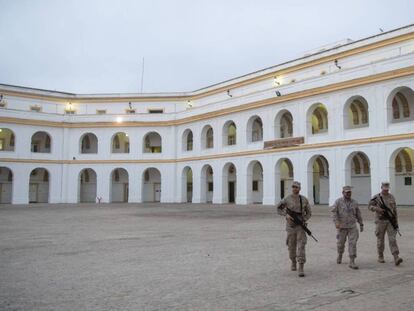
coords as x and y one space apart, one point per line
189 257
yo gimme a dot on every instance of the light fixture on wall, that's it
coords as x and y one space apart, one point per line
228 93
119 120
130 105
189 104
278 93
336 64
275 80
3 102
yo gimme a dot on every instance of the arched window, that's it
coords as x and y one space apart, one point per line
89 143
6 140
229 133
356 112
210 138
41 142
286 125
319 119
120 143
402 104
188 140
254 129
152 143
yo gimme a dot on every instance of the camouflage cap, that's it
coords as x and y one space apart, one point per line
296 183
385 185
346 188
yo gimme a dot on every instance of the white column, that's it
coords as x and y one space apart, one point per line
242 186
103 184
55 184
218 180
269 187
21 179
135 186
197 184
335 181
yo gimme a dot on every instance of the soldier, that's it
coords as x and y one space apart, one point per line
296 236
383 225
345 214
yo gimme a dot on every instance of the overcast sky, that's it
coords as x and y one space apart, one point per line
97 46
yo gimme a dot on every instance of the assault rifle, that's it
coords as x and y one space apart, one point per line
388 214
300 222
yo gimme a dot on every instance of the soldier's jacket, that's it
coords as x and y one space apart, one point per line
293 203
389 200
346 213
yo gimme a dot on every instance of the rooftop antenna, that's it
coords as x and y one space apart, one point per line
142 74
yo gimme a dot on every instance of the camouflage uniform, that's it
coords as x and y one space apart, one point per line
346 214
383 225
296 236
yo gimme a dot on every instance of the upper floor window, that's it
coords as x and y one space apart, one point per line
229 133
356 113
254 129
89 143
188 140
283 124
152 143
318 119
41 142
120 143
6 139
207 137
402 104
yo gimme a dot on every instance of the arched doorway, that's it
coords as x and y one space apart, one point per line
318 168
187 185
152 143
207 186
6 185
254 182
400 105
151 185
229 183
284 178
119 185
358 175
87 186
39 186
229 134
402 175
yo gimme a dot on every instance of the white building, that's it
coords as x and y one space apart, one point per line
341 115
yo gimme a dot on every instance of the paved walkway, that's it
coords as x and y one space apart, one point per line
188 257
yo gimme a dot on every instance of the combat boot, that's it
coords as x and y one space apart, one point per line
381 258
293 266
352 264
397 260
301 273
339 259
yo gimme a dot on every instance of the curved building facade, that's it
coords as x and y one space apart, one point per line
341 115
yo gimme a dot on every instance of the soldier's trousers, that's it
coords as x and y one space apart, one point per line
352 234
382 227
296 242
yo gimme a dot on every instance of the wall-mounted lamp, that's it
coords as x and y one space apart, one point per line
3 102
119 120
228 93
336 64
276 81
278 93
189 104
130 105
